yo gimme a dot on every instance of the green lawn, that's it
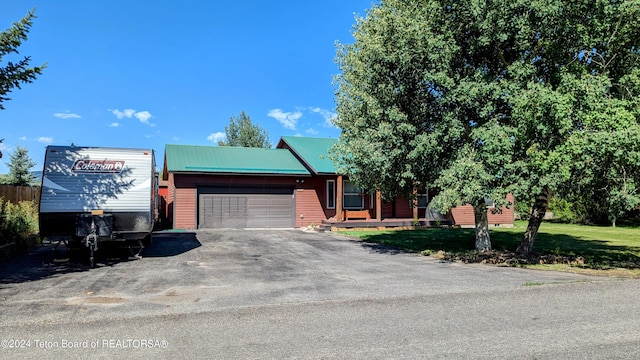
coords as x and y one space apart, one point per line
600 247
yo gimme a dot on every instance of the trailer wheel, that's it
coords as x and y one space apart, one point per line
135 248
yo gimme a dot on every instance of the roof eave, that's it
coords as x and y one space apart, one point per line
182 172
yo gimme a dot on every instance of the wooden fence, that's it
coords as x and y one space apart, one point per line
14 194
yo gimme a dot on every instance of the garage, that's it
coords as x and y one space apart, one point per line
246 208
231 187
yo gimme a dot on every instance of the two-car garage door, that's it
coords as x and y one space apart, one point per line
246 208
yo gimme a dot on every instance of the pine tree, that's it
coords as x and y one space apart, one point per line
20 168
12 74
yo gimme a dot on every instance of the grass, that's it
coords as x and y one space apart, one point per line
600 250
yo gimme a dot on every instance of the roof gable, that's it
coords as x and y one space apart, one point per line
231 160
313 152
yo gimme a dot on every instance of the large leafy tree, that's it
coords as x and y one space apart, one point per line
242 132
480 98
418 103
580 88
13 74
20 168
606 169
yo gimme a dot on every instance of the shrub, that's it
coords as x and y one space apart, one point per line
18 223
566 211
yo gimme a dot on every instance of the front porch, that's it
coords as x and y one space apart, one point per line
382 224
355 209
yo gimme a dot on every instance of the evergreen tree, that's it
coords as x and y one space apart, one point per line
12 74
20 168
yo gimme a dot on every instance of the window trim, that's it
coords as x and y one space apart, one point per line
331 194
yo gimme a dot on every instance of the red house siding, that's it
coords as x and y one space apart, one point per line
185 209
171 197
403 210
463 215
506 217
163 205
311 201
193 181
163 191
308 208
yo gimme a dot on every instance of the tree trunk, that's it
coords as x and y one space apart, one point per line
483 241
535 219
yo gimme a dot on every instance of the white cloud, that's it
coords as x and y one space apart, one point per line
67 115
143 116
126 113
215 137
326 114
311 132
45 140
288 120
22 138
115 124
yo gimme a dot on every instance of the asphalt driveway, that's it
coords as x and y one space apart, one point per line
240 281
230 268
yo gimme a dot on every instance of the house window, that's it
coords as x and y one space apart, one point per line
423 201
352 198
331 194
490 203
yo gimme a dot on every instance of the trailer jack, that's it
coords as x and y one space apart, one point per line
91 241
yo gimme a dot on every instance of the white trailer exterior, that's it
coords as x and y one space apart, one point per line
80 181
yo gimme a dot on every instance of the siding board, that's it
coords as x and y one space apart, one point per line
310 196
185 208
463 215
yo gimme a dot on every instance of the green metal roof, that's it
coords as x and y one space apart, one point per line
229 159
313 151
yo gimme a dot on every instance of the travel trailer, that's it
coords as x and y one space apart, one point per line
92 195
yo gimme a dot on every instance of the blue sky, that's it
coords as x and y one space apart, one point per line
144 74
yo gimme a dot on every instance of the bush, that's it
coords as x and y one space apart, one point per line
18 223
566 211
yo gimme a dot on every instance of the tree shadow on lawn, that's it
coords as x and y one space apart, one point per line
459 245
